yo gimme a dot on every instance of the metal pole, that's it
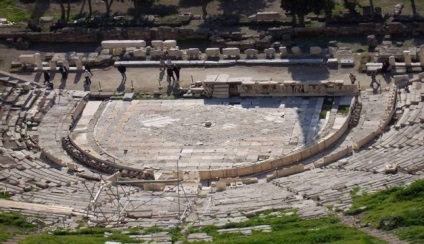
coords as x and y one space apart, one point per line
100 87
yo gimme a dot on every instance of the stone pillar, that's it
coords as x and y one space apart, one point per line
407 58
38 61
52 65
283 51
392 61
421 55
372 41
66 64
78 64
332 51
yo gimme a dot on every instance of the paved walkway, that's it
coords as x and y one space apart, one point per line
145 80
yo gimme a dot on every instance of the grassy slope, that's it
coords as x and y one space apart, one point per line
9 10
291 229
400 210
12 224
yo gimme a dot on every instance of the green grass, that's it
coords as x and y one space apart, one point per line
343 110
81 236
12 224
290 229
400 210
12 12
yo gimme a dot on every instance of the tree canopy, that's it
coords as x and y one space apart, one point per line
300 8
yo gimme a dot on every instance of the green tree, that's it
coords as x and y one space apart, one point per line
350 5
300 8
139 5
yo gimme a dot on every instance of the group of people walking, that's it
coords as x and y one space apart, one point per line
63 70
171 69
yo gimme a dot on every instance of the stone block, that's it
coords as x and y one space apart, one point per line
283 51
52 65
175 53
267 16
212 52
251 53
27 59
407 57
392 61
296 50
38 61
332 51
157 44
421 55
139 53
117 51
270 52
231 52
111 44
169 44
371 41
193 53
400 78
78 64
156 54
315 50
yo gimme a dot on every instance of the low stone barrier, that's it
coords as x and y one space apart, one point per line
110 44
212 52
286 172
291 158
334 157
105 166
231 52
390 110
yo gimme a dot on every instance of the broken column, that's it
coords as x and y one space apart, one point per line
78 63
392 61
38 61
52 65
407 58
421 55
372 41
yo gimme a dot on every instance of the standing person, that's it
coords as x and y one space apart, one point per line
169 70
46 77
176 70
87 76
122 69
88 68
352 78
62 72
65 73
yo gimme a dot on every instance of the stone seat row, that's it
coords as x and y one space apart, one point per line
407 158
214 53
333 187
195 63
123 44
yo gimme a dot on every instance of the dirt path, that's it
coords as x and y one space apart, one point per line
353 222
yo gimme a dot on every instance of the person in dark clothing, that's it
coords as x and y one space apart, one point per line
64 72
46 77
170 70
176 70
385 66
88 68
87 76
122 69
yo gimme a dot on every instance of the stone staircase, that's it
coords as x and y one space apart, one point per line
221 91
